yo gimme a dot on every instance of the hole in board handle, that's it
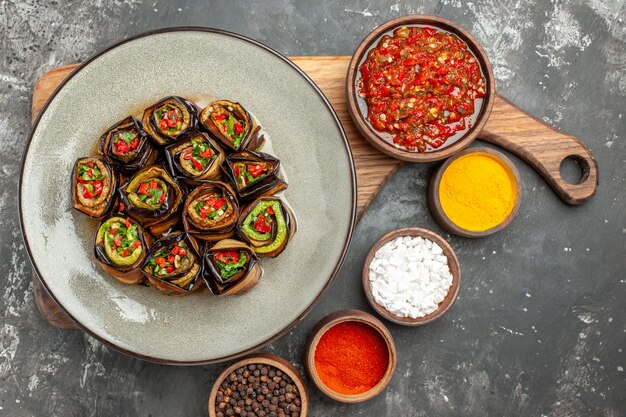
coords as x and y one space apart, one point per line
574 169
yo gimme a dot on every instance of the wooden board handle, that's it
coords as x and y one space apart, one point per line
544 148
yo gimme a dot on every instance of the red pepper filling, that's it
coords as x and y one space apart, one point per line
229 257
165 260
263 224
123 237
125 142
230 126
256 170
91 179
199 154
246 174
188 156
211 208
170 120
151 192
420 85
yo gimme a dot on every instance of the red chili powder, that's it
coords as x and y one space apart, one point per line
351 358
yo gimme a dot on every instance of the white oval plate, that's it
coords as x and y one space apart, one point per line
196 63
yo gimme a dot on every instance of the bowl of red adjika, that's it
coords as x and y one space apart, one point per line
350 356
420 88
411 276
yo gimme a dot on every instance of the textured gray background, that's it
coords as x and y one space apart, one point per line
539 327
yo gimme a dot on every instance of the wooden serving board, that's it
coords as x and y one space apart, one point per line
542 146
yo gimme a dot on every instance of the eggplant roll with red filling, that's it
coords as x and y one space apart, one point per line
173 265
232 125
267 224
196 158
153 198
121 247
93 187
170 119
254 174
127 147
231 267
211 212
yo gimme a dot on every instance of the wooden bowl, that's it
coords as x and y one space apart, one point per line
435 204
341 317
453 264
358 107
266 359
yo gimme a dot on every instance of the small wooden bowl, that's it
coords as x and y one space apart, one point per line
435 204
453 264
266 359
341 317
358 108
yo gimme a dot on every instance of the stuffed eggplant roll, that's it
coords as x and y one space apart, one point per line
254 174
121 247
196 158
211 212
267 225
170 119
93 186
153 198
231 124
173 265
127 147
231 267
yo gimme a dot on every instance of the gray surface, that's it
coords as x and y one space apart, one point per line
539 327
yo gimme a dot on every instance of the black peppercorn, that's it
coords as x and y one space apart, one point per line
257 390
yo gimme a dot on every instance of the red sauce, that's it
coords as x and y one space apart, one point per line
420 86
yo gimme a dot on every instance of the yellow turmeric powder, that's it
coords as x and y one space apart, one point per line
477 192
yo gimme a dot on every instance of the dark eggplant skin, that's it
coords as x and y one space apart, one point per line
166 285
211 172
190 120
251 138
165 217
269 185
193 226
128 275
110 200
290 223
237 284
159 155
145 154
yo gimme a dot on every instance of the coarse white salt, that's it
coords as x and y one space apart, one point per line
410 276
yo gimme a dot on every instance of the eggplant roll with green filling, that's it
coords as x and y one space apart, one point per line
94 184
254 174
121 247
173 265
267 225
196 158
127 147
170 119
231 124
153 198
231 267
211 212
